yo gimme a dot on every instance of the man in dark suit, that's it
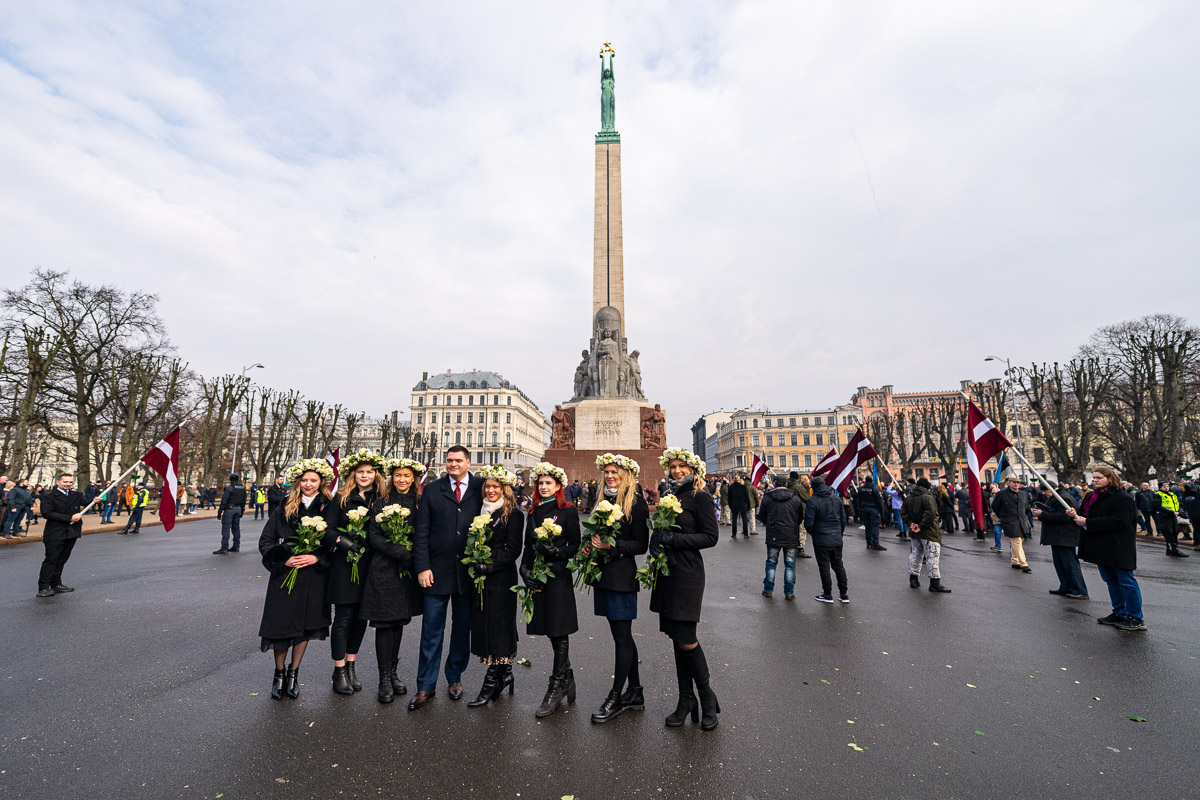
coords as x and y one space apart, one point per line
64 525
447 508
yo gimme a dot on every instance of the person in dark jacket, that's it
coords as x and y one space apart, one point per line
1108 518
920 515
945 504
1011 507
19 502
233 503
678 596
826 521
554 613
362 483
292 618
64 526
615 593
390 595
870 509
780 511
1145 507
276 494
962 497
1165 505
801 488
494 613
1061 533
739 506
448 506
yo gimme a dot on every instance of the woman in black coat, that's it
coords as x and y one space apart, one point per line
1108 517
362 485
554 613
494 615
291 619
615 593
390 595
678 596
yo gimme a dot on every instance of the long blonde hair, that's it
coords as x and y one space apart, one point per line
508 500
291 506
350 484
626 491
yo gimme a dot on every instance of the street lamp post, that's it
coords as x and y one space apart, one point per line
237 430
1020 423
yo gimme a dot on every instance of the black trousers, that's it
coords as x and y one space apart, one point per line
1168 528
57 553
965 516
831 558
348 630
734 513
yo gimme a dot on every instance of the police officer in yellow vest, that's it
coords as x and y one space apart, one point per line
260 501
1166 506
141 497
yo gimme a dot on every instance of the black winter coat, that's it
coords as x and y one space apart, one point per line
679 596
963 496
304 611
619 573
276 495
824 518
739 498
554 603
388 597
58 508
780 511
869 497
1011 510
494 624
440 538
1109 539
1058 529
340 589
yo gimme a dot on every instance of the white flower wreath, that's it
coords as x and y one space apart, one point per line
317 465
624 462
394 464
356 460
499 474
684 455
546 468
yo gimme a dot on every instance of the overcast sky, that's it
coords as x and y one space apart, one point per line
817 196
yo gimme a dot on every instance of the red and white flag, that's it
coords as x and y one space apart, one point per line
758 470
858 451
163 458
334 459
425 476
984 440
826 463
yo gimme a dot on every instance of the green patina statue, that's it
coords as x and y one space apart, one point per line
608 98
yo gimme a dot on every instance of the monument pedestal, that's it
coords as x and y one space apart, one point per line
597 425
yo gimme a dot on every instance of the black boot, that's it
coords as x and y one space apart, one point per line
341 683
291 682
562 679
555 692
386 693
709 706
611 708
935 585
505 679
687 699
914 581
633 699
398 686
487 692
352 677
277 685
569 685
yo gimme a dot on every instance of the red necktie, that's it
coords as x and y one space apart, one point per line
458 491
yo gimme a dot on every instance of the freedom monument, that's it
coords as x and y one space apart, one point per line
608 411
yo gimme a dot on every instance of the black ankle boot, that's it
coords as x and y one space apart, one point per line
352 677
569 685
505 680
291 682
914 581
398 686
386 693
487 692
277 685
555 691
687 699
935 585
611 708
633 699
341 684
709 706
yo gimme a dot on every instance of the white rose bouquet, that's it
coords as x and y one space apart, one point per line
308 541
540 572
663 520
604 522
394 521
479 552
354 529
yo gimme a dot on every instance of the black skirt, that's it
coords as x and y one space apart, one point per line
267 645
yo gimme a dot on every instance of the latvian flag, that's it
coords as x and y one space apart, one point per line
163 458
758 470
984 440
334 460
858 451
825 463
425 477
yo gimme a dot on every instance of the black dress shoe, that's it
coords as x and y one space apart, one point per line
220 552
455 691
420 699
232 549
60 589
45 593
1059 591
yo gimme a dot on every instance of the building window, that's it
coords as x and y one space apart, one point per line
1097 454
471 400
435 399
739 460
495 416
508 440
420 419
460 399
483 399
831 420
770 438
795 459
792 422
458 437
933 474
1039 455
508 418
469 442
495 399
1016 431
920 472
754 423
1035 429
820 439
495 439
804 421
459 417
754 440
433 417
807 440
770 458
808 459
470 416
741 443
509 401
420 401
795 439
767 424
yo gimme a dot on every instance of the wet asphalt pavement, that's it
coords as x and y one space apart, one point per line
147 682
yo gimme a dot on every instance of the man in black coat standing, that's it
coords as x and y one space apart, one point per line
64 525
870 510
447 508
780 512
739 506
233 503
276 495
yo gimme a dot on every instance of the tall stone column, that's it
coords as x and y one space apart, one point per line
608 252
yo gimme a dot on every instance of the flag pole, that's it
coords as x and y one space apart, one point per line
877 458
113 485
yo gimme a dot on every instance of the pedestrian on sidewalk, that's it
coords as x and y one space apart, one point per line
233 505
962 497
1108 518
109 503
1011 507
755 499
64 526
260 502
826 521
945 504
276 494
19 501
920 514
1061 533
780 512
896 500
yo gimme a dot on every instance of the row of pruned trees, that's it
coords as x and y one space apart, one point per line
90 372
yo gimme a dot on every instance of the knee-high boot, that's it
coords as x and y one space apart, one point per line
698 667
562 681
687 699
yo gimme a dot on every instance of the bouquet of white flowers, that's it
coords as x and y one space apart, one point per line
358 521
308 541
663 520
540 570
393 520
604 522
478 550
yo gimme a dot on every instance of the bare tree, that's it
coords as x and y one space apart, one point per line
210 428
898 430
146 389
268 415
27 368
352 424
1066 399
942 421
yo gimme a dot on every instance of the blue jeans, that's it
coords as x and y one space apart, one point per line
107 512
900 522
1066 564
433 631
231 522
870 518
998 530
1124 592
12 524
789 569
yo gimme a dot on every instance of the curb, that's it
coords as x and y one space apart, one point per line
153 522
